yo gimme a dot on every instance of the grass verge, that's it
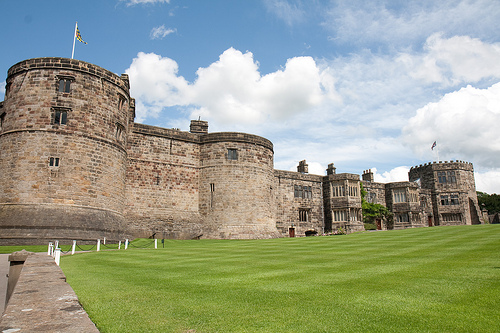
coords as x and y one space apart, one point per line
444 279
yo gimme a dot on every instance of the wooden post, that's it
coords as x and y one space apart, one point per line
156 243
98 245
119 245
73 248
126 243
57 257
49 250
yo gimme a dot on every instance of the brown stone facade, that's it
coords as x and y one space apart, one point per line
76 166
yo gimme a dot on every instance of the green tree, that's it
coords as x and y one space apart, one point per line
489 201
372 211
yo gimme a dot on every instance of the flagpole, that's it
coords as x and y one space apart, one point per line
74 39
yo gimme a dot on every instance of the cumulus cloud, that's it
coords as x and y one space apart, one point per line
454 60
488 182
2 90
463 123
160 32
230 90
398 174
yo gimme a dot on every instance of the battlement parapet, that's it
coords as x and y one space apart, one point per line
72 65
236 137
444 165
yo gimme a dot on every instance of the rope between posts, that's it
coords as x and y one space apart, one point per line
78 246
141 247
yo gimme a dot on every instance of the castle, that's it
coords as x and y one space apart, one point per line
75 165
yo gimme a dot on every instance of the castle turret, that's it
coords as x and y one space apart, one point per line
63 150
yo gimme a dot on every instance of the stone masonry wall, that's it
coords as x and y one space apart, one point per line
288 205
236 198
88 156
162 183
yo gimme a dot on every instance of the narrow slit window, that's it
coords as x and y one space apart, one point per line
54 161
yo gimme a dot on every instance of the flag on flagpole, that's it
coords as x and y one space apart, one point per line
76 36
79 36
433 145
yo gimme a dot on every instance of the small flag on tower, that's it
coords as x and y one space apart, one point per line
433 145
79 36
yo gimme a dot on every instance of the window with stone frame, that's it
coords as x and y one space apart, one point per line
441 177
399 195
232 154
452 217
304 192
60 116
403 217
451 177
64 83
53 161
454 199
120 133
304 214
2 119
340 215
122 101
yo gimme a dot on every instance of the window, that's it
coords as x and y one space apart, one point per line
399 195
304 192
2 120
452 217
60 117
64 85
232 154
441 177
121 102
212 190
338 190
454 199
303 215
402 217
451 177
445 200
54 161
340 215
119 134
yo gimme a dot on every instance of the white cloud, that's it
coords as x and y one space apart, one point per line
488 182
464 124
160 32
231 90
454 60
2 90
141 2
155 84
403 23
398 174
287 11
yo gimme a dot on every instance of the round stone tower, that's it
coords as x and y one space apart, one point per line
63 139
236 177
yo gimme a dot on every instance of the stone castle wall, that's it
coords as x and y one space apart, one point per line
236 178
162 194
52 169
292 197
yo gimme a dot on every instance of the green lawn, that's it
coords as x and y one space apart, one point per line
442 279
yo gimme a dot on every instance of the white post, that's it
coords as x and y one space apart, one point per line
126 243
73 248
49 250
57 257
98 245
119 244
104 241
156 243
56 245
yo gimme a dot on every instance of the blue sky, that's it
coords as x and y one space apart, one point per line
362 84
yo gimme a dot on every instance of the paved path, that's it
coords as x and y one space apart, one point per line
4 270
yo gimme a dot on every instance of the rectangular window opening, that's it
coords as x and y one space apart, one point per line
54 161
64 85
232 154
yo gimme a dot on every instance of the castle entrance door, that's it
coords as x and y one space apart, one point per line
430 221
291 232
379 224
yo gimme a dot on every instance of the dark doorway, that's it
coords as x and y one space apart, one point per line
430 221
379 224
291 232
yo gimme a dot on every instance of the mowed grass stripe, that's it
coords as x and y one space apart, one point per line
444 279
